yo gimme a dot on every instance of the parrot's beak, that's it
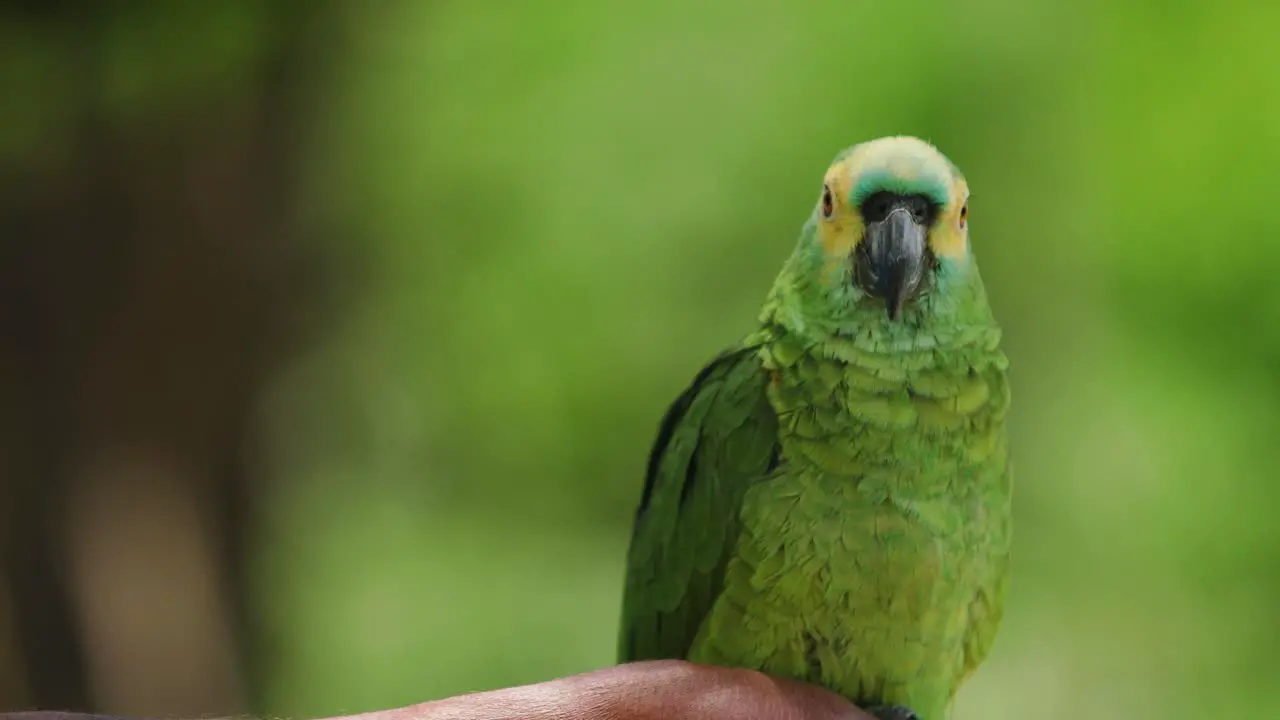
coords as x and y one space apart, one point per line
895 255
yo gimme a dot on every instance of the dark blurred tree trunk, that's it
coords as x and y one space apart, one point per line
152 277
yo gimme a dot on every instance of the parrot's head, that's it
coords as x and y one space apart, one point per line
890 232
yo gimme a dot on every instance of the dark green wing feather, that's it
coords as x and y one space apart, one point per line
717 438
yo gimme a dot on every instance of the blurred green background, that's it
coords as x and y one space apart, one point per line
348 325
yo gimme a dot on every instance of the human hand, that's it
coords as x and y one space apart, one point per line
652 690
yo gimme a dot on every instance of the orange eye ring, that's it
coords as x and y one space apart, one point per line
828 203
964 214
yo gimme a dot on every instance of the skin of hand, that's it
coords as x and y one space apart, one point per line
652 690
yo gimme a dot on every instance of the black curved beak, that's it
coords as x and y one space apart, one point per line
895 254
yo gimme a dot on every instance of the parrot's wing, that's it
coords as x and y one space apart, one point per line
716 439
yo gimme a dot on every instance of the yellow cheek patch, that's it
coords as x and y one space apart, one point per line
841 232
948 238
839 238
947 241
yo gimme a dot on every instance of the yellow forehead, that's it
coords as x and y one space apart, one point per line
906 154
903 163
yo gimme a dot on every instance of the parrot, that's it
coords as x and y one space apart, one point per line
829 500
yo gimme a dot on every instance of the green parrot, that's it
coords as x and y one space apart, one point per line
829 500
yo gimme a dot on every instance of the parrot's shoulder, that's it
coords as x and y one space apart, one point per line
727 395
718 437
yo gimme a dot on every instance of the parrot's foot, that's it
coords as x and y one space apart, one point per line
893 712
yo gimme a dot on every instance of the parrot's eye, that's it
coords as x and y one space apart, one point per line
964 214
828 205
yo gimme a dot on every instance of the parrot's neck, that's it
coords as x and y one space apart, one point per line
850 385
816 302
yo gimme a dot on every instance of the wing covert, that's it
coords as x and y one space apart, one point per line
718 437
